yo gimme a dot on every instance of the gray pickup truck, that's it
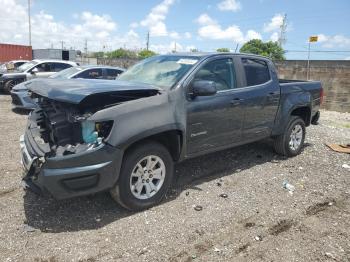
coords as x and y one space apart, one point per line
125 135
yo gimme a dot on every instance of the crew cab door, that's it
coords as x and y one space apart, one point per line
216 120
261 94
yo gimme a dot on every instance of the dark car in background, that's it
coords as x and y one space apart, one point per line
33 69
22 100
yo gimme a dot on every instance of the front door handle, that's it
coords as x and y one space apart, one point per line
236 101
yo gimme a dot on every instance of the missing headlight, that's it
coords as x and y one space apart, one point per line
92 131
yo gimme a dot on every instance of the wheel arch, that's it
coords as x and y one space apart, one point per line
304 112
170 139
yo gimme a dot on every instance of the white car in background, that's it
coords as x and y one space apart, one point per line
22 100
33 69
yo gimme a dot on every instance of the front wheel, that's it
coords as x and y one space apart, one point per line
9 85
291 142
145 177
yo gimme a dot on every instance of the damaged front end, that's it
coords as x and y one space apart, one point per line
64 152
61 129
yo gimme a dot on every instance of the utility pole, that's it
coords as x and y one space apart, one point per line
29 25
62 42
236 48
308 62
175 48
147 42
283 29
311 39
85 47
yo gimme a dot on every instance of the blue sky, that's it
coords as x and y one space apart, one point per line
205 25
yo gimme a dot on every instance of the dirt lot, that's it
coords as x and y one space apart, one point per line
258 221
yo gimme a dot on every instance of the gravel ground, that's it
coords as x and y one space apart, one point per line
257 221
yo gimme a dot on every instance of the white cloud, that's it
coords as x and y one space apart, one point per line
334 41
211 29
96 22
188 35
99 30
347 58
170 47
274 24
132 33
229 5
154 21
134 25
205 19
174 35
251 34
274 37
167 48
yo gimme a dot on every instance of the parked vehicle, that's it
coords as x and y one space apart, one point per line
32 69
11 65
20 96
125 135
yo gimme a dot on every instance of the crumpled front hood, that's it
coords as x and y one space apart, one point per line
76 90
22 86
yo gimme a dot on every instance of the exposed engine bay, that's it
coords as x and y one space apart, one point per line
61 128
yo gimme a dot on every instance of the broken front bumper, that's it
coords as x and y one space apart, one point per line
69 176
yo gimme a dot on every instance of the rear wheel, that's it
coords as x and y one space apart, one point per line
145 177
291 142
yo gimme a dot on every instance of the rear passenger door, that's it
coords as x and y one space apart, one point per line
261 94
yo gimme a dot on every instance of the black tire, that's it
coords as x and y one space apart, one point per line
9 85
122 193
281 142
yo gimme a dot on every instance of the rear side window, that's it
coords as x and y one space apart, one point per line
256 71
43 67
112 73
91 74
56 67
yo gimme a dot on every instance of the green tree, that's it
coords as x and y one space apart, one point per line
146 53
99 54
269 49
223 50
122 53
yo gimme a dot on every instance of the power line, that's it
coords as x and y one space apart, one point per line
317 51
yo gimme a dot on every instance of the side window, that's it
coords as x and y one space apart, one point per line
219 71
91 74
112 73
56 67
43 67
256 71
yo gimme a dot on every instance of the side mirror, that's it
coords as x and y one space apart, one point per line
203 88
34 71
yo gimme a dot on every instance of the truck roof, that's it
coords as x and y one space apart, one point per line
55 60
209 54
